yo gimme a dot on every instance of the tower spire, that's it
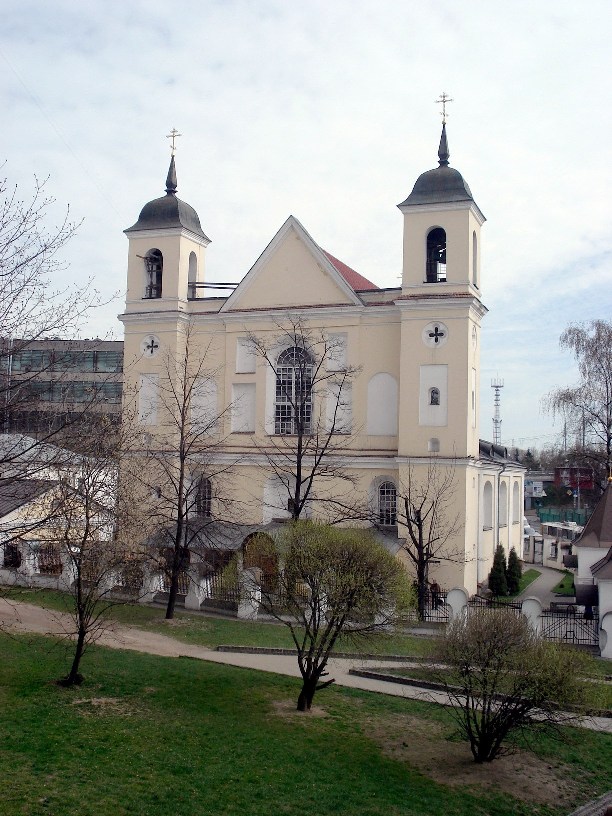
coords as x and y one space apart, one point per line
171 178
443 154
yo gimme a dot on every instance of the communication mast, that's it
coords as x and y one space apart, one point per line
497 386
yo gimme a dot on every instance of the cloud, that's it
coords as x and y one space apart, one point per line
326 110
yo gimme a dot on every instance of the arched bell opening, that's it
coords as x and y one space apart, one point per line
436 256
192 277
154 266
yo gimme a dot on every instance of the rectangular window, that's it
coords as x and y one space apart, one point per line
148 395
339 408
336 357
245 356
110 362
243 407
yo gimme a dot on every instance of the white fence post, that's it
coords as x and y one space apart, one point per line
250 593
457 600
532 609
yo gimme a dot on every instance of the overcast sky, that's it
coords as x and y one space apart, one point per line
324 109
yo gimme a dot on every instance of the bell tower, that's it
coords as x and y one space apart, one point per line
166 252
441 231
441 314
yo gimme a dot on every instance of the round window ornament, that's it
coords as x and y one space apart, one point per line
149 347
435 334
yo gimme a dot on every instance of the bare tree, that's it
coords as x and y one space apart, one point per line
82 524
586 408
96 521
312 422
501 677
425 513
332 582
182 484
31 307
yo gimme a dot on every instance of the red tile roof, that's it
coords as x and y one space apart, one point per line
354 279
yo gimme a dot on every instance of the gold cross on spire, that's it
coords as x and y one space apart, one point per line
444 98
173 135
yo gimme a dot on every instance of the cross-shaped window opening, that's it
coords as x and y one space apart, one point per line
437 334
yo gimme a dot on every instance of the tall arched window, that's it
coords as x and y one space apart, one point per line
474 259
503 505
387 503
293 394
192 276
436 256
203 498
516 504
487 509
154 265
434 396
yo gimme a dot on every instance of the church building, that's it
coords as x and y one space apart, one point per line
308 390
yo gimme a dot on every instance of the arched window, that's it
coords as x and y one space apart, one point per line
436 256
503 505
293 393
192 276
154 265
387 503
203 498
474 259
434 396
516 504
487 509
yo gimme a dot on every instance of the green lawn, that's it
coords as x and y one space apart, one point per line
152 736
565 585
528 577
212 631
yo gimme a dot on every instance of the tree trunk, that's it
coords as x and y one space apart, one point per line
422 589
172 595
309 686
74 678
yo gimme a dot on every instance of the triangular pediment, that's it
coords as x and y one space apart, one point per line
292 272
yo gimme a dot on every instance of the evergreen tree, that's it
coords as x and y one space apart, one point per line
497 576
514 572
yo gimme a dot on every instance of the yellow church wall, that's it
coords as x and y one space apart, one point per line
176 247
291 277
391 436
459 220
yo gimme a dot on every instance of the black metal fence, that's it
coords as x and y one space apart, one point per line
479 602
570 626
435 611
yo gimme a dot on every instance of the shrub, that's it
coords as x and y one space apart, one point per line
504 677
497 576
514 573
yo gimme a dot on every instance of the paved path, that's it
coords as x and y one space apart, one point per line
23 617
541 588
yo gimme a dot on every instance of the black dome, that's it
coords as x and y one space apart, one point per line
439 185
168 212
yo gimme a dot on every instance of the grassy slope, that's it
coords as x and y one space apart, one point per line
190 739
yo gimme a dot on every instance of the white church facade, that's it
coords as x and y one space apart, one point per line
391 376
